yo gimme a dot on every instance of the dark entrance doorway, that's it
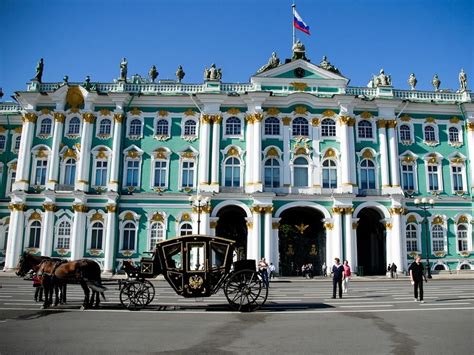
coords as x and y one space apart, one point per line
302 240
371 243
233 225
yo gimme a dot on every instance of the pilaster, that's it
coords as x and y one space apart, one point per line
216 138
268 240
116 152
275 253
397 238
286 152
110 236
47 232
82 183
78 228
15 234
54 157
249 156
470 144
204 137
23 167
336 247
382 132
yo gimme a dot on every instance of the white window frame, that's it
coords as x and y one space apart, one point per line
35 159
68 122
412 134
101 118
417 237
155 127
323 137
108 158
28 234
468 240
14 140
122 232
139 158
445 234
241 172
129 122
460 142
242 127
280 171
335 161
438 163
373 129
150 231
415 175
5 135
195 172
166 153
308 126
64 218
436 134
62 178
189 137
280 129
463 177
40 122
375 168
90 224
10 181
180 227
309 167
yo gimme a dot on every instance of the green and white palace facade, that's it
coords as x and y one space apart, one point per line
296 166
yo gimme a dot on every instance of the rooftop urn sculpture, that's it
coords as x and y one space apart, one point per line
153 73
213 73
299 51
123 70
412 81
39 71
273 62
180 74
326 65
436 82
462 81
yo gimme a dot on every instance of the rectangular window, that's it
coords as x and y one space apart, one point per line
12 180
101 173
188 174
160 173
457 178
40 173
132 172
408 177
433 184
329 178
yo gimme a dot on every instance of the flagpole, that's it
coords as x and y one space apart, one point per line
292 24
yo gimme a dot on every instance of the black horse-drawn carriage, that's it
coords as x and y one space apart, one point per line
196 266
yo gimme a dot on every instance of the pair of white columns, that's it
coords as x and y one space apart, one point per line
53 171
389 155
253 170
116 152
347 153
254 245
15 235
23 166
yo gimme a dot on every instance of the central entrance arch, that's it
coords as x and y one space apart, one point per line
371 242
233 225
302 240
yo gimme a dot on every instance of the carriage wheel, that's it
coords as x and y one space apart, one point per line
137 294
246 291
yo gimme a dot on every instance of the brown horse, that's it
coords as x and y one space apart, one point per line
85 272
31 263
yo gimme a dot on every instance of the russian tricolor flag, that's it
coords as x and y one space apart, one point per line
299 23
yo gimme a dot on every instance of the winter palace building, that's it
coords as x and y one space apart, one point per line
295 166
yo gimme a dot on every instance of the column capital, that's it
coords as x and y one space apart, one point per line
315 122
88 117
49 207
249 119
470 126
59 117
398 210
206 118
111 208
217 119
391 123
286 120
29 117
80 208
119 117
261 209
275 225
329 226
19 207
346 120
338 210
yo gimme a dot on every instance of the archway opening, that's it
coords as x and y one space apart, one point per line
302 240
371 243
233 225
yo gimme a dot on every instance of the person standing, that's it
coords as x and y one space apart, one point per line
263 268
417 274
324 269
389 267
347 276
393 271
272 271
337 276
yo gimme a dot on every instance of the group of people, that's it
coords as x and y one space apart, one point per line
307 271
267 271
341 274
392 270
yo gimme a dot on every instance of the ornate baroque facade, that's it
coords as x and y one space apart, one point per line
105 170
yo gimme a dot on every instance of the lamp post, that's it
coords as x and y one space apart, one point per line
199 202
425 204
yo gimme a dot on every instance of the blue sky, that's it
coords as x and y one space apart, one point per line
89 37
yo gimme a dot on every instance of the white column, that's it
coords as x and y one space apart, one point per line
204 136
205 227
397 239
82 182
216 138
109 259
249 154
383 154
355 262
393 146
268 240
336 248
329 226
345 152
78 231
352 156
470 144
47 230
253 243
15 235
349 237
116 152
275 259
316 183
54 157
286 151
24 153
257 149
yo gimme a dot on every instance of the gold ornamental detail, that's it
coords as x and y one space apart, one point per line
119 117
189 112
49 207
18 129
315 122
111 208
405 118
45 111
70 153
286 121
29 117
347 210
105 112
157 217
88 117
135 111
299 86
346 120
195 282
163 113
462 219
249 225
397 210
189 155
408 159
233 152
454 120
273 111
366 115
391 123
470 126
355 225
329 113
388 226
329 226
2 129
368 154
74 110
233 111
97 217
207 209
74 97
338 210
78 207
35 216
381 124
213 224
268 209
301 110
438 220
430 120
101 154
133 154
17 207
275 225
412 219
257 117
59 117
272 152
457 160
205 118
41 153
217 119
330 153
185 217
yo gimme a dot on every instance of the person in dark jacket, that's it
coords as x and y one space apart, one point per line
393 271
417 274
337 277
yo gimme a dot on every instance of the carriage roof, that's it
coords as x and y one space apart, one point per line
196 238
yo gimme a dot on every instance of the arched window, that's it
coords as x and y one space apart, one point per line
156 235
190 128
128 238
463 244
300 166
405 133
300 127
232 172
272 126
329 174
453 135
408 177
135 128
69 171
465 267
185 229
430 134
272 173
161 128
45 126
105 127
17 143
74 126
63 240
97 236
411 237
367 174
437 236
233 126
364 129
35 233
3 141
328 128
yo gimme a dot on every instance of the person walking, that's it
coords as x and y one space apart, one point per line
337 276
272 271
324 269
393 271
347 276
417 274
389 267
263 268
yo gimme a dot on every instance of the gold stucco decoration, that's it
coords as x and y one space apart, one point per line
470 126
135 111
157 217
412 219
45 111
275 225
330 153
286 121
301 110
119 117
391 123
328 226
105 112
188 154
133 154
381 124
462 219
457 160
233 152
300 151
111 208
430 120
2 129
41 153
18 130
329 113
185 217
408 159
299 86
101 154
273 111
189 112
368 154
438 220
233 111
35 216
405 118
454 120
366 115
206 118
70 153
163 113
17 207
59 117
78 207
128 216
74 97
212 224
88 117
29 117
97 217
74 110
49 207
315 122
272 152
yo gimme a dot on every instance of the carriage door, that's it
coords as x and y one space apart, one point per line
196 269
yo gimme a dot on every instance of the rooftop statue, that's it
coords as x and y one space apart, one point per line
65 80
299 51
180 74
382 79
273 62
212 73
39 71
123 69
87 83
436 82
153 73
412 81
462 81
326 64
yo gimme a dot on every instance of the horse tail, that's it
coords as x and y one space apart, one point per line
91 273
